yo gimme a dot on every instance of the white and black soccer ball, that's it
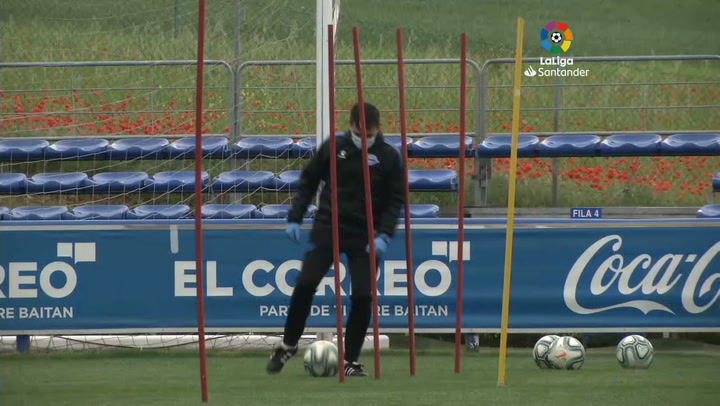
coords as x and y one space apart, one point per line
540 351
321 359
635 352
566 353
556 37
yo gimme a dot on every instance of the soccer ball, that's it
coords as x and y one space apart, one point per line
566 353
556 37
321 359
540 351
635 352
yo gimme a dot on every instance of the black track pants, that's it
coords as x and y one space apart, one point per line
316 264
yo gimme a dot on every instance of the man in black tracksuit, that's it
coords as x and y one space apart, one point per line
387 175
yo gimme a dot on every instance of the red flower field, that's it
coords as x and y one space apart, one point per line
648 181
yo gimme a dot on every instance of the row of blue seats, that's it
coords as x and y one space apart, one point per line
184 181
17 149
594 145
178 211
208 211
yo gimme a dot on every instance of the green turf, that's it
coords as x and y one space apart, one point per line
173 379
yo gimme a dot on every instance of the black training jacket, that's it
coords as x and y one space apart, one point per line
387 175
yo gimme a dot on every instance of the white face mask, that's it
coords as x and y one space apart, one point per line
358 141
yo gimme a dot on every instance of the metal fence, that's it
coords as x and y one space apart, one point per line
151 91
248 84
279 89
561 96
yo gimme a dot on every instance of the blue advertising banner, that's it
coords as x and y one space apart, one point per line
584 276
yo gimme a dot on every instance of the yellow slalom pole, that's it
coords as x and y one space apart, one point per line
511 202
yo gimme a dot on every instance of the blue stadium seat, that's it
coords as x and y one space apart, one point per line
709 211
569 145
57 182
100 212
243 181
266 147
500 146
440 146
288 181
432 179
280 211
212 147
138 147
118 181
228 211
160 211
396 141
175 182
4 212
12 183
716 183
304 148
691 144
422 211
17 149
631 145
89 148
38 213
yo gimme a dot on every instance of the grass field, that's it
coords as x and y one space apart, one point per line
160 100
154 379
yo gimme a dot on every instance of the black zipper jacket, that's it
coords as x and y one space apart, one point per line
387 177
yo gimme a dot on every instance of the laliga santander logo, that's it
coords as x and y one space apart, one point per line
556 37
661 276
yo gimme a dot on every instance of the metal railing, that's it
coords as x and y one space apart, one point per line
241 79
76 111
483 166
238 78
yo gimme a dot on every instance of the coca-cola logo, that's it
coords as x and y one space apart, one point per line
658 276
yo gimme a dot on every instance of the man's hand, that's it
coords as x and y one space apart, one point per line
293 232
382 241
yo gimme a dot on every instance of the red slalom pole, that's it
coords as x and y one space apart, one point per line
368 202
334 203
408 231
199 201
461 204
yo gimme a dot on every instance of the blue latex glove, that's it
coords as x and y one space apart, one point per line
382 241
293 232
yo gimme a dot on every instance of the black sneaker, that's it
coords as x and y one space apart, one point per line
354 369
279 356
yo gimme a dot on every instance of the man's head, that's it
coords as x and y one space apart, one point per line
372 120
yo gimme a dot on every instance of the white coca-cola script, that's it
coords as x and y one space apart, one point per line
661 276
